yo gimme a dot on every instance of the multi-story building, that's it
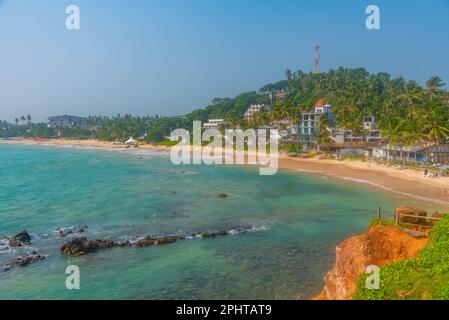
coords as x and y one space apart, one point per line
252 110
309 125
369 133
67 121
372 133
214 123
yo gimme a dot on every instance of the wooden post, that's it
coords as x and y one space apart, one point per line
378 213
397 218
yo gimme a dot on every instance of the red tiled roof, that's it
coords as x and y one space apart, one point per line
319 103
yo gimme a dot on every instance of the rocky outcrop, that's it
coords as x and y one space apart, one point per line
20 239
81 246
23 261
379 246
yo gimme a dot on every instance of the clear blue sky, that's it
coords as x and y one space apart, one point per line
172 56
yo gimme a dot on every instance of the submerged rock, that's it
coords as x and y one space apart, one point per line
222 195
14 243
23 236
123 244
150 241
207 235
64 232
23 261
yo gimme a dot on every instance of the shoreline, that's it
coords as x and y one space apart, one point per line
405 182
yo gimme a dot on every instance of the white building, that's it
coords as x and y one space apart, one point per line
370 133
432 154
214 123
67 121
252 110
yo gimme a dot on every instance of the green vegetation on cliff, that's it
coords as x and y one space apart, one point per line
425 277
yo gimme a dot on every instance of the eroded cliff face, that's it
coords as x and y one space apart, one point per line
379 246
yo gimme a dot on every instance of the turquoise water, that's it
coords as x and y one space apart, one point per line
296 220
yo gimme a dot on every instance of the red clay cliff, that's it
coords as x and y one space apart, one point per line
379 246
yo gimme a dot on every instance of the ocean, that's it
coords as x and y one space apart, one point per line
293 221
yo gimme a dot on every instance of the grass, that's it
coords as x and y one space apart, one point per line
425 277
382 222
167 143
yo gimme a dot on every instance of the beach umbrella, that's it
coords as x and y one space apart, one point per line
130 141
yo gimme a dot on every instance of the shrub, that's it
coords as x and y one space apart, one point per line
424 277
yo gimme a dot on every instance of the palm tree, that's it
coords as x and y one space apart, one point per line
16 120
232 119
273 115
436 126
323 135
22 119
434 86
412 97
393 132
29 119
258 119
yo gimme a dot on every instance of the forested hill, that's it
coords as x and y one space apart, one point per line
398 104
353 93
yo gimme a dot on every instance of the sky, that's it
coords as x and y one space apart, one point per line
168 57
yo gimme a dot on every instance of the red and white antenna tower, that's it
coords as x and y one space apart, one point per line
317 59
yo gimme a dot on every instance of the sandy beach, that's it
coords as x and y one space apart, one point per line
404 181
83 143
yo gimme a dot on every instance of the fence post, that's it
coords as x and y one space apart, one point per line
378 213
397 218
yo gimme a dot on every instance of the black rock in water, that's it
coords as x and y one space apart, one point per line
23 236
